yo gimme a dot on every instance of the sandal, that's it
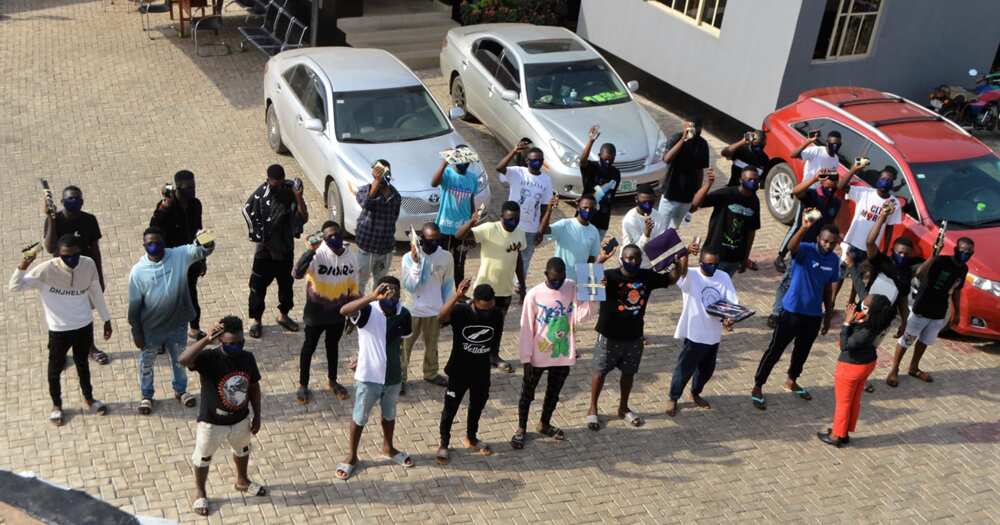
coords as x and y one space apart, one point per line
553 432
633 419
98 407
56 417
253 489
504 366
921 375
517 441
751 265
344 471
779 264
869 387
593 422
200 506
256 330
403 459
99 357
302 395
186 399
478 446
759 402
442 456
339 391
892 381
288 324
438 380
146 407
800 393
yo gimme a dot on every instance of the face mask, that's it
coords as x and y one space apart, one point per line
509 224
72 204
832 149
899 259
884 184
534 164
388 305
604 163
428 246
555 284
155 249
645 208
335 243
756 148
751 184
708 269
187 193
628 267
462 167
584 215
963 257
232 348
71 260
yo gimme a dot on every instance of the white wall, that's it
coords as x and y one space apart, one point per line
738 72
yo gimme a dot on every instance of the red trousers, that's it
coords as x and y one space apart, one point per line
848 385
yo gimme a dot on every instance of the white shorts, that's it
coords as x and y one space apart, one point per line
921 328
209 438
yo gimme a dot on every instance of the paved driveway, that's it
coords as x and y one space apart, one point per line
88 100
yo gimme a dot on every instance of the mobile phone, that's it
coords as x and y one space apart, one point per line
45 185
862 161
31 250
814 215
168 191
205 237
297 184
748 136
50 206
610 246
814 133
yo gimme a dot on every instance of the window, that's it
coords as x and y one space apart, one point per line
387 115
847 29
564 85
706 14
508 75
314 100
297 79
487 53
852 144
553 45
964 192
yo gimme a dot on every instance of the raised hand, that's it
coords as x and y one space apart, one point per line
594 132
463 288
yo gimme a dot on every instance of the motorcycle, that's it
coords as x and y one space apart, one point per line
978 108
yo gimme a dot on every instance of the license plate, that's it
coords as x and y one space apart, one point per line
628 186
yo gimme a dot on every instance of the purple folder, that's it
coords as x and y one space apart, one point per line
664 249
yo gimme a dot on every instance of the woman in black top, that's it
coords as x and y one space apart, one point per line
859 340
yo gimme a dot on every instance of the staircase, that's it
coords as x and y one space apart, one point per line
415 38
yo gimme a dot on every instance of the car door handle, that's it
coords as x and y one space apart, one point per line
277 86
299 119
465 64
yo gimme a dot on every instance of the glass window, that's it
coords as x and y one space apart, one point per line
847 28
703 13
853 144
553 45
387 115
573 84
488 54
314 100
965 192
508 75
297 79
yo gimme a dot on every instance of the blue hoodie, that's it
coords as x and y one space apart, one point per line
159 303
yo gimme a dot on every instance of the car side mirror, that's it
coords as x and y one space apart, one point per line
633 85
312 124
456 113
509 95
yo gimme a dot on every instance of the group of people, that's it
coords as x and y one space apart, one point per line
164 313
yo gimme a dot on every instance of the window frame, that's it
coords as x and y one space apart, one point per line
502 71
843 19
699 20
490 72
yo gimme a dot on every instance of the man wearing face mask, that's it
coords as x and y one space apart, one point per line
476 330
897 266
699 332
868 207
428 277
807 308
500 244
620 326
748 151
735 219
280 214
459 188
941 280
71 219
159 310
577 240
600 177
548 344
69 289
375 234
331 273
531 189
643 222
687 156
179 216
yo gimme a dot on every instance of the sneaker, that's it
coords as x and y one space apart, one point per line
302 395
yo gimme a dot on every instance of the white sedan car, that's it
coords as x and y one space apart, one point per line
339 109
548 85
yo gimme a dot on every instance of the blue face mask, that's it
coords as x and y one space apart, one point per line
630 268
756 148
335 243
388 305
604 163
646 207
156 249
462 167
71 260
72 204
899 259
534 164
584 214
509 224
709 269
884 184
232 348
963 257
751 184
555 284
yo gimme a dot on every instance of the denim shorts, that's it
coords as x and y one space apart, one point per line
367 394
624 355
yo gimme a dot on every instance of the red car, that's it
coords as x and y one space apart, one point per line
946 174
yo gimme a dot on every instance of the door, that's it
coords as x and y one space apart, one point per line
287 106
511 124
479 75
309 101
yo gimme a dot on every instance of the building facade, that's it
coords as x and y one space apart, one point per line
747 57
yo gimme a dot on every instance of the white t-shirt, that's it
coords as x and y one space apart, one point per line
868 205
531 192
816 159
700 292
634 230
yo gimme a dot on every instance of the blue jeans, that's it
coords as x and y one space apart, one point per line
174 344
697 360
674 212
779 294
367 394
528 252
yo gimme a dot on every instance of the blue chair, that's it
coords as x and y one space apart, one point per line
147 7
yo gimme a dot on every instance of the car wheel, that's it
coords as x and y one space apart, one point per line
274 131
458 98
334 204
780 201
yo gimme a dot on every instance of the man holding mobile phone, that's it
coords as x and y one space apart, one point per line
735 219
643 222
375 234
687 157
748 151
531 189
601 178
577 240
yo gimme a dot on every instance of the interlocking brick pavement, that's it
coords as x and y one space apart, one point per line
88 100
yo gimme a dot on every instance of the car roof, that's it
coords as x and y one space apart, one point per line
918 134
357 69
513 34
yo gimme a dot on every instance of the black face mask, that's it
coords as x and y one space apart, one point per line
832 148
188 192
428 246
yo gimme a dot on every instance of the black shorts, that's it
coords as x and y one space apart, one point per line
624 355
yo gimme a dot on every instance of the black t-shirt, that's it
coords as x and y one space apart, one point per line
279 246
734 217
684 174
933 293
858 344
180 224
474 336
622 314
225 385
83 225
829 204
595 175
746 156
901 275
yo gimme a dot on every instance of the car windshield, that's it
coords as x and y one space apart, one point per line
387 115
573 85
964 192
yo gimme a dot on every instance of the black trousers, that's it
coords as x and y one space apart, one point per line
695 360
802 329
263 273
60 343
312 333
479 393
458 251
557 377
194 273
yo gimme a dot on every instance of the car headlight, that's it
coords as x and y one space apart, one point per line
661 146
985 284
566 155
